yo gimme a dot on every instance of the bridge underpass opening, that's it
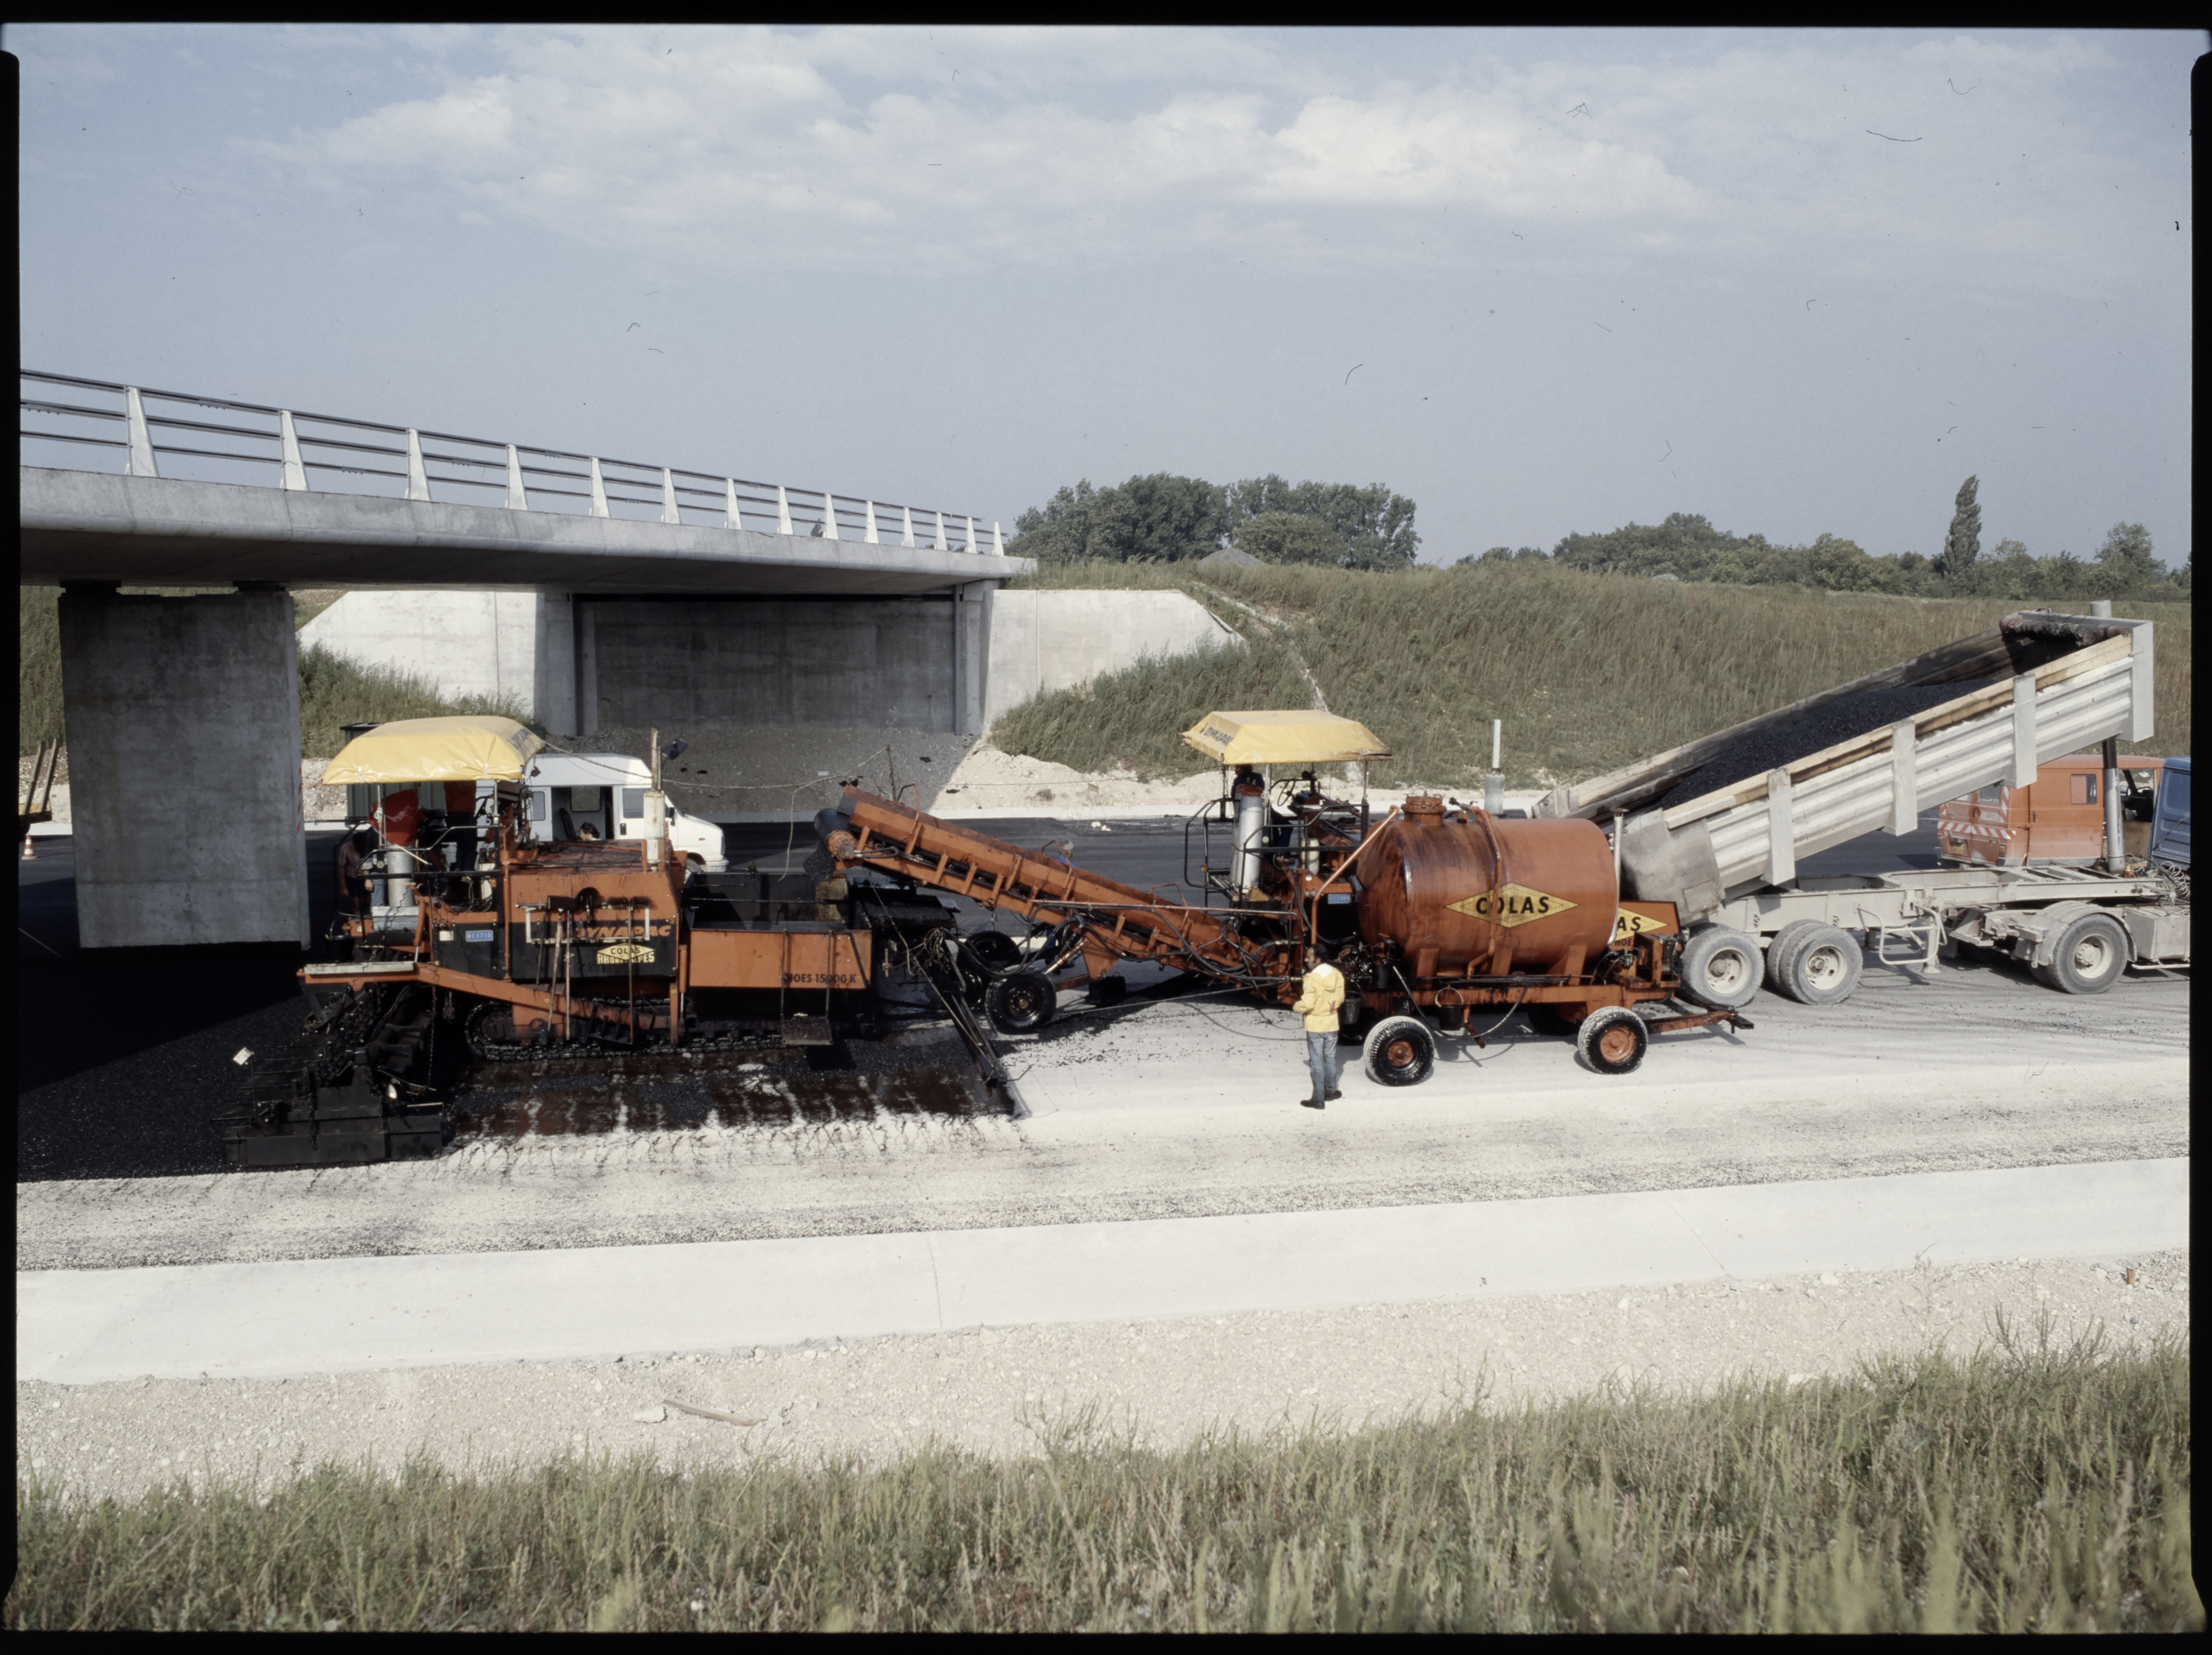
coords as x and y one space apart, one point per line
912 662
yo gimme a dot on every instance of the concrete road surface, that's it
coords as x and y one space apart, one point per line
270 1321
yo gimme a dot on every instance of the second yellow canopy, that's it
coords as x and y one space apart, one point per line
1307 738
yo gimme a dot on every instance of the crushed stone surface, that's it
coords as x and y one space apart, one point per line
999 1391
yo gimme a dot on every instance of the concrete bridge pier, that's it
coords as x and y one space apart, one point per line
184 739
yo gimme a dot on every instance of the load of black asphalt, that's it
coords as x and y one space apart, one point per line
1813 730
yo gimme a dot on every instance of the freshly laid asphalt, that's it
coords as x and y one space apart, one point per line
352 1315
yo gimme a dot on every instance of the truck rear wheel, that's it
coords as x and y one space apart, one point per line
1613 1040
1785 944
1824 968
1720 968
1401 1052
2090 956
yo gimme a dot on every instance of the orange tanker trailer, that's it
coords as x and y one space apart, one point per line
1436 914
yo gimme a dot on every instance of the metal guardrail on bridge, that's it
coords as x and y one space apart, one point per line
286 438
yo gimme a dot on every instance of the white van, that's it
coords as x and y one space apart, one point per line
602 796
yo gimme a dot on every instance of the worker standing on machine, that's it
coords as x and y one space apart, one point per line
1321 995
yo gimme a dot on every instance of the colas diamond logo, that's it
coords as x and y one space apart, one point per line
1511 905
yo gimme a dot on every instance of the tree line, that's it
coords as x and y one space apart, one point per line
1688 548
1163 518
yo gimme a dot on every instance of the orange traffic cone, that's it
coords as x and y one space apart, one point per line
29 854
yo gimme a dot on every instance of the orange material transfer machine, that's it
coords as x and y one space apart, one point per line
1435 914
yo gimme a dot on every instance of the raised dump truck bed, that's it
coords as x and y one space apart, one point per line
2036 686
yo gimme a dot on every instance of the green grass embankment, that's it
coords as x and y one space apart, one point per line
334 690
2029 1488
1588 671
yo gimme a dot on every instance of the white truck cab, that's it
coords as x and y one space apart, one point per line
602 796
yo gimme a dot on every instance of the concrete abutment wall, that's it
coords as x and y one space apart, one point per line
517 648
1042 641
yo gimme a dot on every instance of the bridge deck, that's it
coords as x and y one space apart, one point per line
151 530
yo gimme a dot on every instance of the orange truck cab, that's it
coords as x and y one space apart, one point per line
2060 818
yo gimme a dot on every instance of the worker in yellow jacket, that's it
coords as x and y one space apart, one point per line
1321 997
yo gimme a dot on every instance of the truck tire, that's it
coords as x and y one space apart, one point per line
1401 1052
2090 955
1612 1040
1783 945
1823 967
1720 968
1021 1003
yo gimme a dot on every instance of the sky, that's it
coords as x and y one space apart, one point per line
1541 281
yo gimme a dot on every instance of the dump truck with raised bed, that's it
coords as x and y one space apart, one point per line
1439 914
1718 826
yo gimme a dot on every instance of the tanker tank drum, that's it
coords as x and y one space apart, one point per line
1469 894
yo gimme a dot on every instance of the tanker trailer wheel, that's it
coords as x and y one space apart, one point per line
2090 956
1613 1040
1720 968
1825 967
1785 943
1401 1052
1021 1003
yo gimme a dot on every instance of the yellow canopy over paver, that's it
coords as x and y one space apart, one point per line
1305 738
457 749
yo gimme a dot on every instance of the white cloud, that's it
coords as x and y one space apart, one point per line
944 149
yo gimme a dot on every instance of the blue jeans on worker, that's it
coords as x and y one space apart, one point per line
1323 1058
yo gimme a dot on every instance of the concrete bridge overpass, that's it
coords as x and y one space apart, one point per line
183 713
153 531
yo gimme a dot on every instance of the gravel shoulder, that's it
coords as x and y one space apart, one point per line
1000 1391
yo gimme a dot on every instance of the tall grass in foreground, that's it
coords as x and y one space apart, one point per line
1588 671
334 690
2038 1487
